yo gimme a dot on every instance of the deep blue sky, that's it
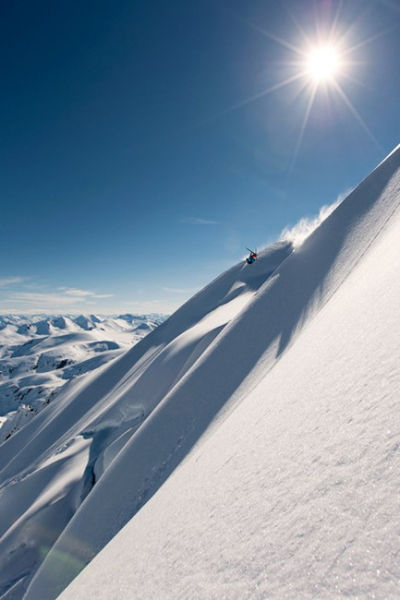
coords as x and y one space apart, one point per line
127 171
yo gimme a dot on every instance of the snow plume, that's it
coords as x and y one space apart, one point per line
300 232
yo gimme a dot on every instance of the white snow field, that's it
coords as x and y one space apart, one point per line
249 447
41 353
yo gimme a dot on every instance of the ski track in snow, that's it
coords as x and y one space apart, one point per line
246 448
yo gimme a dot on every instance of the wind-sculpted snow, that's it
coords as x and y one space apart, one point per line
246 448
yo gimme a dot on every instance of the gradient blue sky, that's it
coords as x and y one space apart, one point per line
134 168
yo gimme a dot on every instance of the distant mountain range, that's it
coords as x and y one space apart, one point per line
39 354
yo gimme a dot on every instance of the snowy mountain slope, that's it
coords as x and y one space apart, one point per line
38 354
58 458
248 347
295 495
252 362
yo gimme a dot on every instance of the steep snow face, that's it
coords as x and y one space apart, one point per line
39 354
292 492
295 495
56 461
266 384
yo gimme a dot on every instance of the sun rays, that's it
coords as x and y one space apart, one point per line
319 65
322 64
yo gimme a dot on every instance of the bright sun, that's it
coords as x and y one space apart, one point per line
318 67
323 64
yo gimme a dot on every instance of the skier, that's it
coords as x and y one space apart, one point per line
252 257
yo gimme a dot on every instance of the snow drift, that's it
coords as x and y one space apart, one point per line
263 413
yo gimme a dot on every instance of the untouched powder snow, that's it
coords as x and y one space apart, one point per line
296 495
247 448
97 415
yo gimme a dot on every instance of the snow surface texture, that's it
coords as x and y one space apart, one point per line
263 413
39 354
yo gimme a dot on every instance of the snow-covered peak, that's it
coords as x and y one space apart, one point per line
39 354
